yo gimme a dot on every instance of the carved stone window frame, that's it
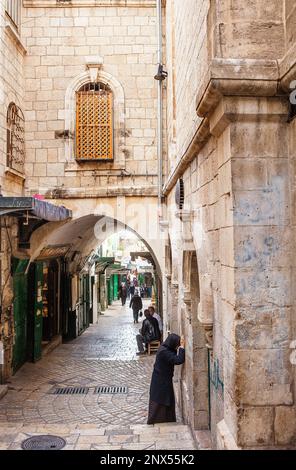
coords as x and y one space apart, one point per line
15 139
118 119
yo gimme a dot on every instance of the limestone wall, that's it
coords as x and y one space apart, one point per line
11 183
11 90
59 42
253 30
187 62
290 16
238 175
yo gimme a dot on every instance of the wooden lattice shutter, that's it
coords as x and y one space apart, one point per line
15 138
94 126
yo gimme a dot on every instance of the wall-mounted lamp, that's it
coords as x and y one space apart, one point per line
161 73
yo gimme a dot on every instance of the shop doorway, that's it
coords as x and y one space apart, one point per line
50 298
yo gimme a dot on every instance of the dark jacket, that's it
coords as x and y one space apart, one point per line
150 330
161 388
122 291
136 303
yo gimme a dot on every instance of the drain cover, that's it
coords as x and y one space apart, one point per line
112 390
43 443
71 390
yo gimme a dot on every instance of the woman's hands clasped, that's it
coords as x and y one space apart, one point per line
182 342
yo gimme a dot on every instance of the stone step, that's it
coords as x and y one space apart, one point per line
3 390
91 437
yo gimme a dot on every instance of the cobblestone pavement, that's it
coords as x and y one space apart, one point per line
90 437
105 355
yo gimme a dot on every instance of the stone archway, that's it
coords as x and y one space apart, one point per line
194 377
92 223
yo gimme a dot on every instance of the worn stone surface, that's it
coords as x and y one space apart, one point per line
104 355
143 437
256 427
240 194
230 254
3 390
285 425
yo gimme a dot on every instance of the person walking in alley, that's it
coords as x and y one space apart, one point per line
162 408
131 290
136 304
149 332
122 293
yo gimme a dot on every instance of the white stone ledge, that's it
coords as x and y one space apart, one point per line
16 173
15 37
90 3
115 191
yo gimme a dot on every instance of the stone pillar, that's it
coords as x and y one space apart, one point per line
8 242
257 275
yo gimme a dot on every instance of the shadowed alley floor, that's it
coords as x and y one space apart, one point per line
105 355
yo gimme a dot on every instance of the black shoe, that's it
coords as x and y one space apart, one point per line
140 353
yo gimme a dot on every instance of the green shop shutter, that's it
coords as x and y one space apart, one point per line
20 303
38 312
115 287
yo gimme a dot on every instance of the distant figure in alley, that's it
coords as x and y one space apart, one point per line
136 304
123 293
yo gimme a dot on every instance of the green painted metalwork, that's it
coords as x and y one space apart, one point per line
110 290
115 286
20 301
38 312
215 375
209 387
84 307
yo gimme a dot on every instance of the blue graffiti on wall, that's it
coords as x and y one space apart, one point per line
215 375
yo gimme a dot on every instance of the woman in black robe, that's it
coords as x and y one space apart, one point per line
162 397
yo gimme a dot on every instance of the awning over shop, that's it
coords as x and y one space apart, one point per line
34 207
116 269
102 263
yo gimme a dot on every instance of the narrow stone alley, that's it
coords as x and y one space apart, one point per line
105 355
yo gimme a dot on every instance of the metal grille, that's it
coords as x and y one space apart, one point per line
43 442
94 122
71 391
180 193
15 138
13 9
111 390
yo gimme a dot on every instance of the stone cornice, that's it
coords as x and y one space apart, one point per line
78 193
233 78
287 68
14 36
89 3
236 78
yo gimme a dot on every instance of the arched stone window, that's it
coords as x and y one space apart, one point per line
114 90
94 122
15 138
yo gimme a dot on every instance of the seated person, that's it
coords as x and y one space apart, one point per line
149 332
158 318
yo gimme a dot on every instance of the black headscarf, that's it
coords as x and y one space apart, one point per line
172 342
